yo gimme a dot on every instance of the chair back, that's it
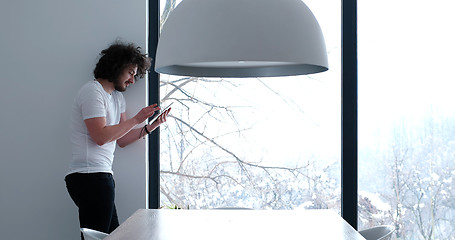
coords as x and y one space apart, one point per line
383 232
90 234
233 208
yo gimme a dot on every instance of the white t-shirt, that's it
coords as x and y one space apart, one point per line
93 101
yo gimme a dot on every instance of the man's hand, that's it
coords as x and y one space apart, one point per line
140 117
162 117
146 112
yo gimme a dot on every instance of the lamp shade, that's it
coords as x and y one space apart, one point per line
241 38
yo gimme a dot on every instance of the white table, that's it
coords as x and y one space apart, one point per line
234 224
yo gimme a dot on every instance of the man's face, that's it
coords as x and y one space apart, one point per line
125 78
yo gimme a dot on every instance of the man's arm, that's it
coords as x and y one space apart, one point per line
102 134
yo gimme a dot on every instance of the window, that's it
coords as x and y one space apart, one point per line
268 143
407 117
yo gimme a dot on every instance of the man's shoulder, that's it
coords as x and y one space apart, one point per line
90 87
92 84
89 92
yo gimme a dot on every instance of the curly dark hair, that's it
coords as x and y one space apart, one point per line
117 57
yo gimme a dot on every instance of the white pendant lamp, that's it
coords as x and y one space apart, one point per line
241 38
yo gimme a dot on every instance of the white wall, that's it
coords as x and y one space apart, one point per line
48 49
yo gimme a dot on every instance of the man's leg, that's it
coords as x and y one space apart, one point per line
94 195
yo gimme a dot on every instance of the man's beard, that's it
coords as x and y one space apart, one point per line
119 86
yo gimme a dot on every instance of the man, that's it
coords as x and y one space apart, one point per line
98 123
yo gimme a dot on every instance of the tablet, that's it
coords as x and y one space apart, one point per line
159 114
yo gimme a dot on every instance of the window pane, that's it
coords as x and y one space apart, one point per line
268 143
406 117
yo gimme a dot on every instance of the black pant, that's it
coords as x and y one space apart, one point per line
94 194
